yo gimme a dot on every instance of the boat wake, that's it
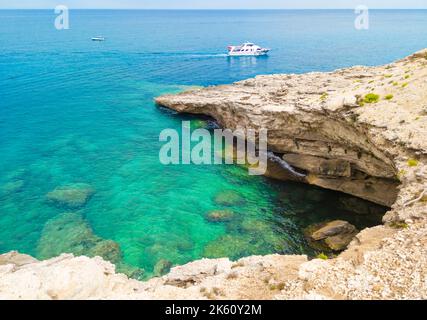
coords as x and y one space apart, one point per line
190 55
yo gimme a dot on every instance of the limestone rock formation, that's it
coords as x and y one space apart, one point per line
322 124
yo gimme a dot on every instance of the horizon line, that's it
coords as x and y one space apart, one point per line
213 9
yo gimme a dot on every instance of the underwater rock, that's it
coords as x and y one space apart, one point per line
220 216
255 226
236 246
227 246
229 198
184 244
130 271
107 249
162 267
71 196
70 233
12 187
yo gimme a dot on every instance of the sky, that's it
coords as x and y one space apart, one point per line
211 4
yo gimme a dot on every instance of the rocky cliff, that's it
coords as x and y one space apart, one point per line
360 130
345 129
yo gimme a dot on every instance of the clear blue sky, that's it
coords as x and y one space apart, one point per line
212 4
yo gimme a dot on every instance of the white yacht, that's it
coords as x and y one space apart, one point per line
247 49
99 38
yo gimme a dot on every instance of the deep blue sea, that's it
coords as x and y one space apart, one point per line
75 113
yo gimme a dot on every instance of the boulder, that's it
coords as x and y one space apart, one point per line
72 196
333 228
341 241
220 216
330 236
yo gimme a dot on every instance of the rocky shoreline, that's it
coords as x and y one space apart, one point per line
359 130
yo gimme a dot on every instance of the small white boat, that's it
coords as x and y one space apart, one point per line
247 49
98 39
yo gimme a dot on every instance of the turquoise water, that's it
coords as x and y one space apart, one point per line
78 112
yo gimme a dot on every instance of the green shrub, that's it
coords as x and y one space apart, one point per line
388 75
407 76
371 98
399 225
324 96
401 174
404 84
322 256
412 162
388 97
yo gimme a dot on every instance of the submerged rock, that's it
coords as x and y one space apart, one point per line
229 198
220 216
162 267
108 249
70 233
227 246
236 246
71 196
12 187
130 271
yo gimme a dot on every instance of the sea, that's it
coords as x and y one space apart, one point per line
78 118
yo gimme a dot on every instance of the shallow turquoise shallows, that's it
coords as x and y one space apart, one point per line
78 117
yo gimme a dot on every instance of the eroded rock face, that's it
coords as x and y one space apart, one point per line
321 125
